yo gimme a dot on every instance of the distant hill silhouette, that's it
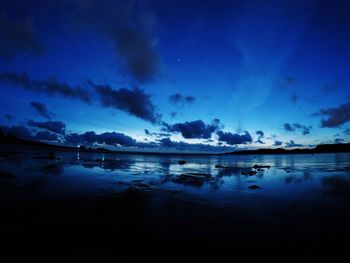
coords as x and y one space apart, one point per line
322 148
14 140
11 139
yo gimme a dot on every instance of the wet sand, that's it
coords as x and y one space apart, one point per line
112 208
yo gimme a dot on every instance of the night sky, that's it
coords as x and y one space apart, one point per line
176 75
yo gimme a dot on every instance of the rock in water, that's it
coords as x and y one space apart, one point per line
254 187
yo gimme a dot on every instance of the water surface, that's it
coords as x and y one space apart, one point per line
298 198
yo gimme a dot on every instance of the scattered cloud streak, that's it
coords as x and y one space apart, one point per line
178 99
50 86
296 126
134 101
41 109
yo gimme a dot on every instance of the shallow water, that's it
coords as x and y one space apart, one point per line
298 176
299 197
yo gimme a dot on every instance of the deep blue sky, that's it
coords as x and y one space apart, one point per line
240 74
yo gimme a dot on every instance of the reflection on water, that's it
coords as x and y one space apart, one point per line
265 198
218 176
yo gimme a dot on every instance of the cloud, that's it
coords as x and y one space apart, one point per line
157 134
135 101
17 37
18 130
9 117
173 114
296 126
127 24
234 139
108 138
137 53
294 98
53 126
338 140
335 117
260 136
50 86
178 99
347 131
194 129
331 87
292 144
41 109
288 81
277 143
46 136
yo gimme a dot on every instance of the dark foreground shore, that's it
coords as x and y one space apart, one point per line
120 209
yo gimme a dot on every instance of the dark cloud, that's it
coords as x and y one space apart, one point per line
127 24
19 131
178 99
259 141
9 117
41 109
338 140
108 138
288 127
50 86
46 136
173 114
292 144
167 142
53 126
296 126
335 117
260 136
294 98
277 143
347 131
137 53
234 139
194 129
331 87
133 101
17 37
288 81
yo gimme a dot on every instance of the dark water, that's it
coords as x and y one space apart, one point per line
298 199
